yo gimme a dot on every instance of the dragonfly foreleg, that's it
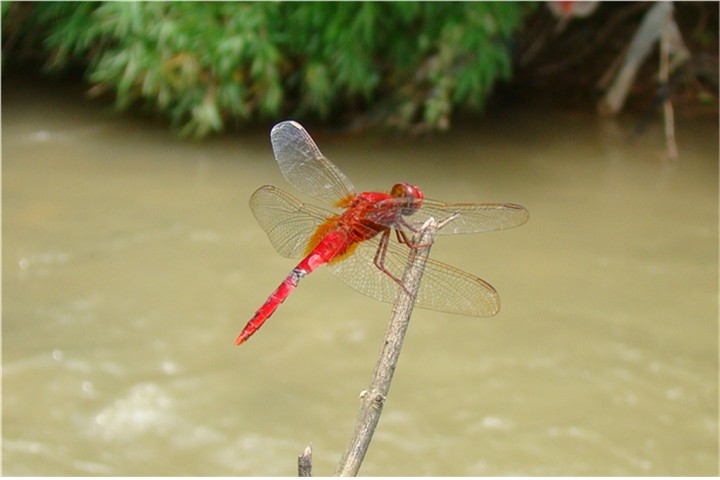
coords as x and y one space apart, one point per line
403 237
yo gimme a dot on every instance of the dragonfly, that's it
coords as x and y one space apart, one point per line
364 238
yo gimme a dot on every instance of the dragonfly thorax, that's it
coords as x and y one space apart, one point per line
412 194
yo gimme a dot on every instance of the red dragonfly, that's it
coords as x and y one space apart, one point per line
357 243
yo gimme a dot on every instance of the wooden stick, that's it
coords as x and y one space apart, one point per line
373 399
305 463
640 47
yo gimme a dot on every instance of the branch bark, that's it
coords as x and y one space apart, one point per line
373 399
305 463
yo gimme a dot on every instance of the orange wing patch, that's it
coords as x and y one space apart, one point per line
345 202
326 227
322 231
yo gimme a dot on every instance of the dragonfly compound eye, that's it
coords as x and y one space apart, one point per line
412 194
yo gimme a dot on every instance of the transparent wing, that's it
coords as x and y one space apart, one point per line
288 222
469 217
303 165
472 217
443 287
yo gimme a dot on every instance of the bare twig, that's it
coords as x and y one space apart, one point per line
305 463
664 77
373 399
640 47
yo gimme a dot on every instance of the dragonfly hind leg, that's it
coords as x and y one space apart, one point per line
379 259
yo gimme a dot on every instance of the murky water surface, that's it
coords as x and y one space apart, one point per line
131 261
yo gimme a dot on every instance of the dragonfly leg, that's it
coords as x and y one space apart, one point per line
403 238
379 259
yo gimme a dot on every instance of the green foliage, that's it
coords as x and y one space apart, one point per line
409 64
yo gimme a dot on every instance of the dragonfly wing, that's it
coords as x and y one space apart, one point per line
288 222
443 288
303 165
471 217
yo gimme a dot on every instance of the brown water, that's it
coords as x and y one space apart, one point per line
131 261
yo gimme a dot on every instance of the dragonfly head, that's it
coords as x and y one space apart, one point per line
411 194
